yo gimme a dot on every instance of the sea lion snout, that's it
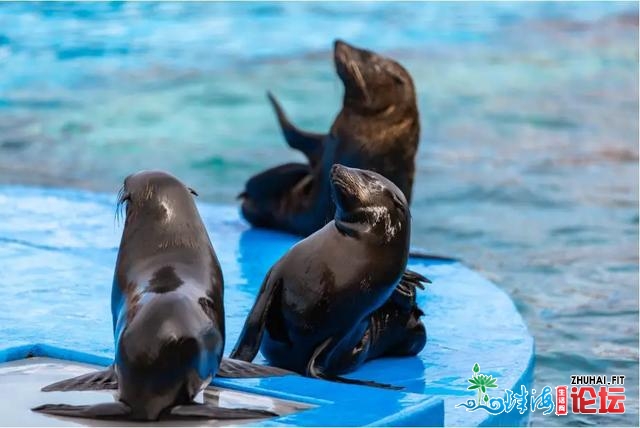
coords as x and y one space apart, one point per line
337 169
342 51
358 182
345 183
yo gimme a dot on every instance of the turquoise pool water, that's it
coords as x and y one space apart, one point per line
528 165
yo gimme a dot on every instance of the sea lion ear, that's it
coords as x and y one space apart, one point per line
193 192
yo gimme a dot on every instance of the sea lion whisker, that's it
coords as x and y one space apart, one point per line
123 198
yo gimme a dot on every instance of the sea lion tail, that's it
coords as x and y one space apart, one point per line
250 338
309 143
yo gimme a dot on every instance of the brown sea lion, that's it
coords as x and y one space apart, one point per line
377 129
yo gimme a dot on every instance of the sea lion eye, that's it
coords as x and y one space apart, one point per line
193 192
397 202
124 195
396 76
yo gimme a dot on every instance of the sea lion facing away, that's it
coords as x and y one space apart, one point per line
341 296
377 129
167 310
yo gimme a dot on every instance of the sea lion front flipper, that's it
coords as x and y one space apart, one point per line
114 410
94 381
309 143
250 338
231 368
316 372
208 411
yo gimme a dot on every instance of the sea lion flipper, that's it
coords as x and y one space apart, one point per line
370 383
231 368
275 181
114 410
404 294
208 411
250 338
313 370
419 254
414 279
309 143
94 381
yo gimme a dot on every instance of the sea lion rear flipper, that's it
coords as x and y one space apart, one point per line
94 381
316 372
208 411
114 410
250 338
404 294
309 143
419 254
275 181
231 368
414 279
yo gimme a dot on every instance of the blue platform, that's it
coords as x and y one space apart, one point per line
58 250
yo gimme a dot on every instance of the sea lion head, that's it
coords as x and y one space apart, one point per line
159 203
373 83
157 194
367 202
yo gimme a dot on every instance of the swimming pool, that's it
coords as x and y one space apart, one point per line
59 249
527 168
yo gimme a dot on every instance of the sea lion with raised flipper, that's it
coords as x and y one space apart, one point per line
377 129
341 296
167 310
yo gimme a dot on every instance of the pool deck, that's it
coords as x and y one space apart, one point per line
58 249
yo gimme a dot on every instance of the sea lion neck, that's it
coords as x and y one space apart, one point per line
161 227
372 224
356 117
353 229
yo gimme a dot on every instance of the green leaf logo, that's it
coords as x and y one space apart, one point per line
481 382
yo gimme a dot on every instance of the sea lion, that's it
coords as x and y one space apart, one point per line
377 129
341 296
167 312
